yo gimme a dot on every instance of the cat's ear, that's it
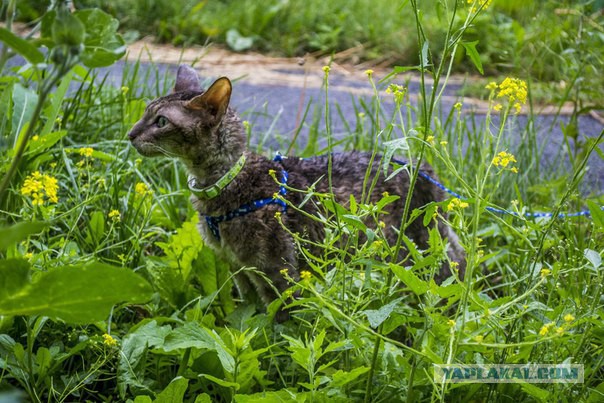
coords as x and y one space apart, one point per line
215 100
186 79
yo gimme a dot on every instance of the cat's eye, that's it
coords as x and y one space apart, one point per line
161 121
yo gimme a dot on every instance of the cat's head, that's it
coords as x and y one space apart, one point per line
195 126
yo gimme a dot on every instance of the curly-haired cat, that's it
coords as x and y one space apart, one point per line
233 191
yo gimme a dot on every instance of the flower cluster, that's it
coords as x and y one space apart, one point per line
142 189
40 188
398 91
503 159
109 341
479 4
512 89
305 275
455 202
115 216
86 152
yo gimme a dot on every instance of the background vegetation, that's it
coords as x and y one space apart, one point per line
107 292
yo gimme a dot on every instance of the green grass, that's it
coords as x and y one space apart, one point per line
104 307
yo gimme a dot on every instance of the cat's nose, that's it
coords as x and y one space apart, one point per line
131 135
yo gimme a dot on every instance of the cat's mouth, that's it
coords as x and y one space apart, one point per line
147 149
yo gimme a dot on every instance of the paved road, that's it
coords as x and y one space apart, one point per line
271 92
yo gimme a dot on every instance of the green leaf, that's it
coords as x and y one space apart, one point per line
597 214
24 104
594 258
21 46
535 391
191 335
174 392
44 142
96 228
280 396
377 316
56 102
19 232
416 285
238 42
131 365
103 45
221 382
472 53
78 294
14 275
341 378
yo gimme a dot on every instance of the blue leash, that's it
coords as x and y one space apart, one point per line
436 183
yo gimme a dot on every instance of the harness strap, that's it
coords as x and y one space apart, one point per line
248 208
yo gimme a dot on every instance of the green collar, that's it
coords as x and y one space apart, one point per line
214 190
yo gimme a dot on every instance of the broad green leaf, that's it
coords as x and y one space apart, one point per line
535 391
594 258
183 247
44 142
238 42
143 399
191 335
21 46
24 104
280 396
96 227
56 101
221 382
19 232
14 275
203 398
597 214
78 294
417 285
174 392
131 365
103 45
341 378
473 54
377 316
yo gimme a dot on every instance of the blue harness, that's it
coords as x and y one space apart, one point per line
248 208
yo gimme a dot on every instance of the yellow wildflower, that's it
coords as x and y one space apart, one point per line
86 152
305 275
326 69
278 215
545 329
515 90
142 189
503 159
455 202
479 4
479 338
385 194
559 331
444 143
109 341
369 73
430 139
35 138
545 272
492 86
569 317
28 256
115 216
284 272
497 107
125 90
398 91
454 265
40 188
246 125
451 322
457 105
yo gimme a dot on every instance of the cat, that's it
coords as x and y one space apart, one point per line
237 193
